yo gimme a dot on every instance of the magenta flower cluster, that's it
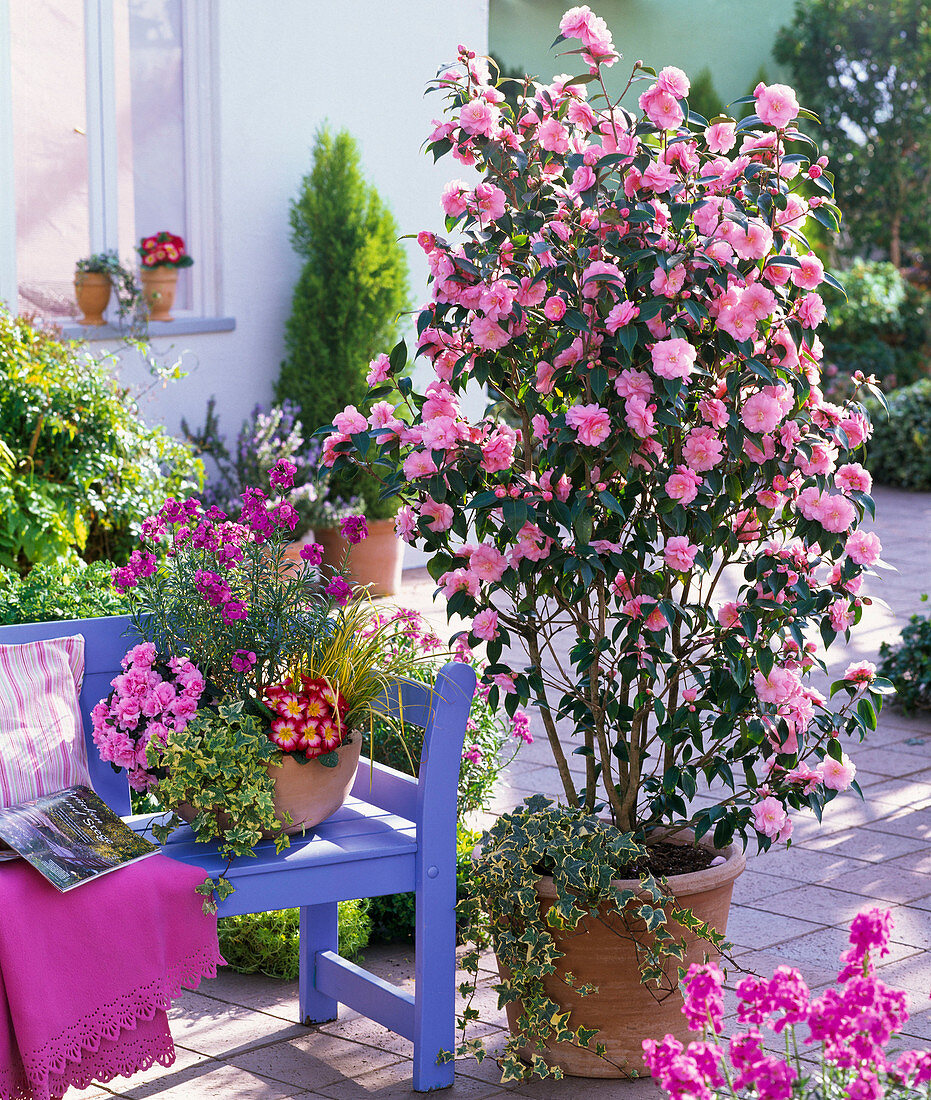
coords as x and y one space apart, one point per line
853 1023
149 699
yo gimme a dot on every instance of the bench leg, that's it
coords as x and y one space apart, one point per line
319 932
435 980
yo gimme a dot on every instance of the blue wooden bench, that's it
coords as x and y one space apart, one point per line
394 834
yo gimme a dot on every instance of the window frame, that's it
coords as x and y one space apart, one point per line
198 26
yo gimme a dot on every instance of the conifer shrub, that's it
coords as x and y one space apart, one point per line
346 304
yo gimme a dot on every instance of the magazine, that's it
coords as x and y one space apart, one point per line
71 837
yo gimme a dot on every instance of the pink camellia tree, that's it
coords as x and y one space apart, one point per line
659 478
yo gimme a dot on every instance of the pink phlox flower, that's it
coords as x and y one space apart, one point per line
338 589
242 660
520 727
703 1000
788 995
234 610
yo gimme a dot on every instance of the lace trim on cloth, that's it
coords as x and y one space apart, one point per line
66 1056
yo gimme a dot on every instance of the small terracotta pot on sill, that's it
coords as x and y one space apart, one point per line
159 286
92 293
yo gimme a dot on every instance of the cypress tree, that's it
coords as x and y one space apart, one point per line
351 290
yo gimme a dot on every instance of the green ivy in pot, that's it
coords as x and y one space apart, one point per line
218 764
583 855
129 302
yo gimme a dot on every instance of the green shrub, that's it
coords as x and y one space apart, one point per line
899 451
908 665
79 468
269 943
882 328
69 589
347 300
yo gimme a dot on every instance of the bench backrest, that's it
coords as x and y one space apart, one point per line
442 710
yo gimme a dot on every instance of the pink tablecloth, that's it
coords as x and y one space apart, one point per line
86 977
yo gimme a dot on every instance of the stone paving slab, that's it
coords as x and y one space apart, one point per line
237 1034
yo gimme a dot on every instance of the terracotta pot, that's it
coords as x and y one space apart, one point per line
309 792
623 1009
92 293
159 285
375 562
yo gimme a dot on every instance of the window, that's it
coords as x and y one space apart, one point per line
108 131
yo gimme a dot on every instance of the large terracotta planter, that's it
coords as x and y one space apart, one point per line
624 1010
309 792
159 285
92 293
375 562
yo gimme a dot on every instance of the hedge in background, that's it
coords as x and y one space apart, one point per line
899 452
79 467
908 665
52 592
883 327
352 288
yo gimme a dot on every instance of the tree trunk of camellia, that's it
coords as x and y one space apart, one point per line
895 239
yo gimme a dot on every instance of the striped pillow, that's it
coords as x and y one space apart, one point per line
41 737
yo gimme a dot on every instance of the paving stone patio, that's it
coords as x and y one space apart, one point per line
236 1035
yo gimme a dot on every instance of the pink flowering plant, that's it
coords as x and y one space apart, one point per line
660 476
246 656
849 1026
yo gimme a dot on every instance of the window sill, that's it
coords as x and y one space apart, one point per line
182 326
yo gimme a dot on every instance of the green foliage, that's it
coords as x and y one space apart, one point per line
79 468
899 452
908 665
347 300
584 856
67 589
269 943
863 69
219 765
881 327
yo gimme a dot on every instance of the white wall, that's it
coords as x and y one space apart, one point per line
284 67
